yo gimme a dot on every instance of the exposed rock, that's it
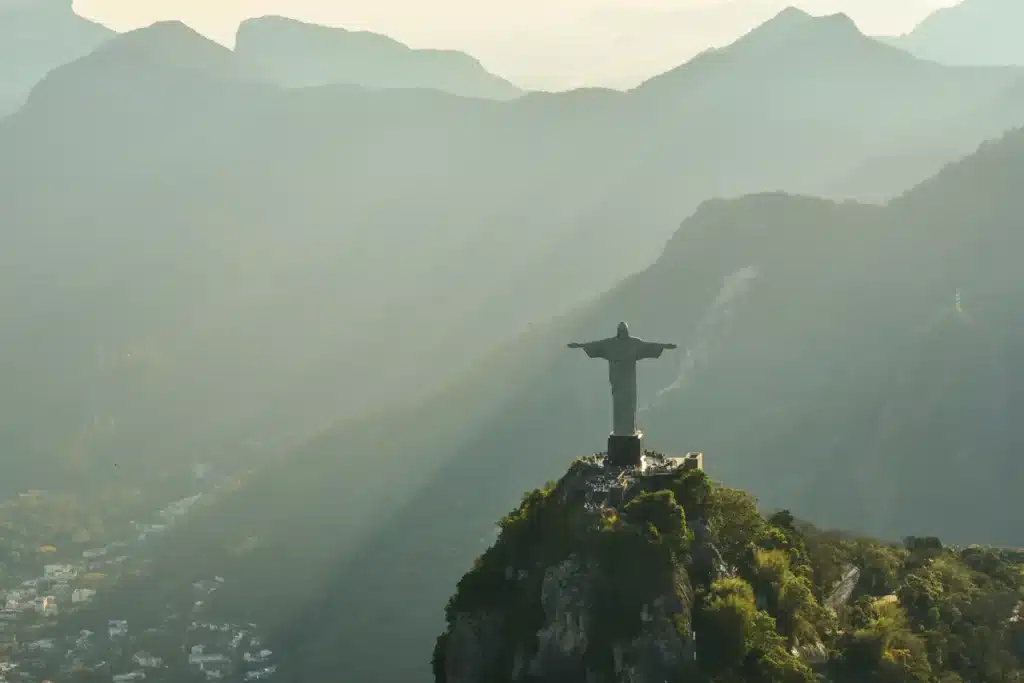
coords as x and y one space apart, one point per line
589 582
705 554
841 594
472 644
812 653
651 574
562 643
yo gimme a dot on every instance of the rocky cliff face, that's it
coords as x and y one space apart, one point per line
591 579
653 574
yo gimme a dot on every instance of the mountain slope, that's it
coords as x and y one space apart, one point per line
297 54
211 226
823 362
833 380
36 37
973 32
199 267
850 75
623 574
164 43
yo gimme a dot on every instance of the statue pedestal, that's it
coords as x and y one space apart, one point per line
626 451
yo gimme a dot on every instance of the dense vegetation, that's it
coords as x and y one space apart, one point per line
918 612
207 299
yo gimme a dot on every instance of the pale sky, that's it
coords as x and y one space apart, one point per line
536 43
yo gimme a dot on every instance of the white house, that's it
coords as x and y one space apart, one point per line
59 572
62 591
47 606
45 644
20 600
203 660
80 595
117 628
258 657
147 661
262 673
130 677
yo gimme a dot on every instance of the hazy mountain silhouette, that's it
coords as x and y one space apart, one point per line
167 44
824 363
225 224
298 54
851 77
977 32
37 36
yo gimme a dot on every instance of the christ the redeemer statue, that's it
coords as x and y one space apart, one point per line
622 352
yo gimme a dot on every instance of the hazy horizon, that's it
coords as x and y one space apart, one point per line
610 43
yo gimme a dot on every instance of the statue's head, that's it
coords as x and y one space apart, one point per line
623 331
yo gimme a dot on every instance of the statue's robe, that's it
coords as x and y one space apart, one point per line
622 353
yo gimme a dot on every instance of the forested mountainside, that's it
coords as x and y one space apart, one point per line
826 364
656 574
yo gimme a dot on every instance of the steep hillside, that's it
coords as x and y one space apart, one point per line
826 363
651 574
163 207
972 32
36 37
297 54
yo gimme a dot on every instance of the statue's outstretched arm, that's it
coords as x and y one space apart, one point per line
652 349
594 349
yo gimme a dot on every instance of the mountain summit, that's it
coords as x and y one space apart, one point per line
169 43
793 24
655 574
771 68
790 36
974 32
295 54
37 36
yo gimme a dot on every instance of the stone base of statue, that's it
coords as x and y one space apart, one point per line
626 451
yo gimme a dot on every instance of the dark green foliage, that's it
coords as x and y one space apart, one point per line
659 513
921 613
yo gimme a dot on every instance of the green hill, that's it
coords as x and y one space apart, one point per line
823 365
658 574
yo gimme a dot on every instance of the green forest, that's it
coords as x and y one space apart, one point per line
775 611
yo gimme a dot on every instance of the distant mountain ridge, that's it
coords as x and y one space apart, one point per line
851 72
241 262
972 32
168 44
191 220
36 37
299 54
